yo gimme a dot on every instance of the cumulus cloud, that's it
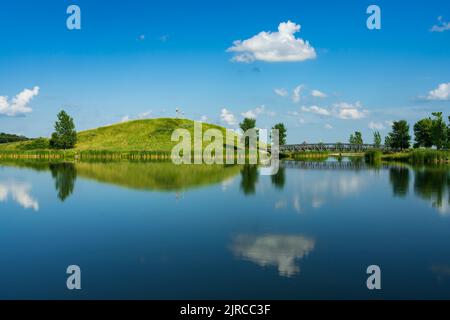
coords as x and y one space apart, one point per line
227 117
125 118
19 105
328 126
344 110
277 250
254 113
441 26
318 94
316 110
296 94
341 110
278 46
281 92
442 92
376 125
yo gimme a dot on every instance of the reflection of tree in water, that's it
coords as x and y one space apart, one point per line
279 179
249 174
65 175
432 184
399 178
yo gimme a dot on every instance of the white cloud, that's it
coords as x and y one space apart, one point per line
254 113
344 110
318 94
340 110
281 46
19 104
317 110
441 26
328 126
442 92
227 117
281 92
144 115
296 94
203 118
376 125
125 118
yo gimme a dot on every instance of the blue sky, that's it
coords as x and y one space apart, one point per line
134 59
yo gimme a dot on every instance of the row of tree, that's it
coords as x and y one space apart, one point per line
249 123
6 138
428 132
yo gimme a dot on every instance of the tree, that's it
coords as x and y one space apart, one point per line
387 141
377 139
65 136
356 138
399 138
351 139
281 133
422 133
247 124
438 131
5 138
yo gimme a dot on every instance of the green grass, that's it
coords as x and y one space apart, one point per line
140 139
373 155
308 155
419 156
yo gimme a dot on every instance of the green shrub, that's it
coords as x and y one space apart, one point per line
36 144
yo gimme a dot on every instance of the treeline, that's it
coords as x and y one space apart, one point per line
428 132
6 138
431 132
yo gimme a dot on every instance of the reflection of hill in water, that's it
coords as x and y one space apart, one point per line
157 176
163 176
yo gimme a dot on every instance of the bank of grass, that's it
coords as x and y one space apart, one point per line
373 155
416 156
307 155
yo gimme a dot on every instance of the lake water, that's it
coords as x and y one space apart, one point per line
159 231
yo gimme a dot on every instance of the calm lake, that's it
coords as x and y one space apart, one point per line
160 231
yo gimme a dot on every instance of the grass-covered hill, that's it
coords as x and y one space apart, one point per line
137 135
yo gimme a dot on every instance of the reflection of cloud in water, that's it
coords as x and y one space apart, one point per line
316 191
20 192
274 250
280 204
443 209
227 183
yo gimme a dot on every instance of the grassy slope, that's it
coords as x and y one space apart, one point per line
137 135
